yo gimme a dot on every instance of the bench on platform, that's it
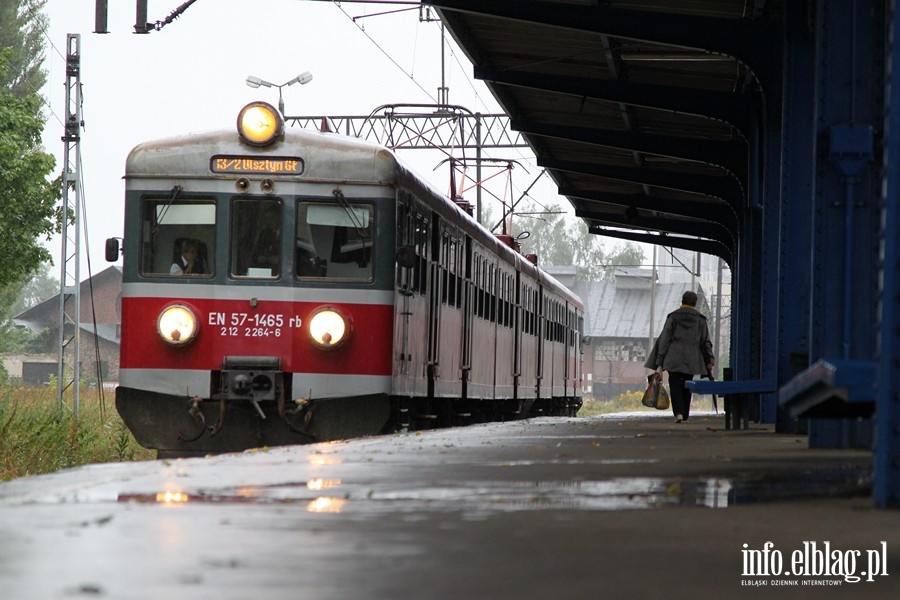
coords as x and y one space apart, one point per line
832 389
736 396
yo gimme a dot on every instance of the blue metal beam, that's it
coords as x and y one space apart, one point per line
708 231
717 212
797 182
887 435
730 156
724 188
737 110
692 244
748 41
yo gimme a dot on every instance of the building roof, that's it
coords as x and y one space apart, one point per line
46 314
620 309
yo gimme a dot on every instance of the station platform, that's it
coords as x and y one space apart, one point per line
617 506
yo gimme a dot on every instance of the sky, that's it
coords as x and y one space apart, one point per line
190 76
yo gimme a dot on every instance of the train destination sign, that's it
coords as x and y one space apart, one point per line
275 165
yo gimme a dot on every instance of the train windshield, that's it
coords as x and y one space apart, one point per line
178 237
334 240
256 238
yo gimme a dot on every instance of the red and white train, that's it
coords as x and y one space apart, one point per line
283 287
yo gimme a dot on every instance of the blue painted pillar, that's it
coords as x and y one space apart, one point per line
887 440
797 180
845 216
742 329
769 220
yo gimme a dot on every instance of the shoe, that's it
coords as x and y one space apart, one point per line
679 419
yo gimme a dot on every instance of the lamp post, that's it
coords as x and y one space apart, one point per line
302 79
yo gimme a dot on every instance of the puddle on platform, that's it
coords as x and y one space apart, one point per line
623 493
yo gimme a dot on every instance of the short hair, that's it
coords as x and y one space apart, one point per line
689 298
190 244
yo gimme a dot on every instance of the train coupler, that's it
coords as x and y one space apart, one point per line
196 414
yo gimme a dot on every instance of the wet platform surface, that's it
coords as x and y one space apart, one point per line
614 506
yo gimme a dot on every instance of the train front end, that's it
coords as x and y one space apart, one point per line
257 292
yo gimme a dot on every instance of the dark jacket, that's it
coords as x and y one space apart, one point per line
683 346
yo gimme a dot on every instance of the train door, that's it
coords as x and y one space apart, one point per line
517 336
435 288
480 380
541 333
446 329
505 335
468 314
573 353
411 303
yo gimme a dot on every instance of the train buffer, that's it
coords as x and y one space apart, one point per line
737 396
832 389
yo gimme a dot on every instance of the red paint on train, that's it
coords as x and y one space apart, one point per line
273 328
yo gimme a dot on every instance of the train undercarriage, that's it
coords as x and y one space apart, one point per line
182 426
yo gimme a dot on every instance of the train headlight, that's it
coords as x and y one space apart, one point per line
177 325
328 328
259 124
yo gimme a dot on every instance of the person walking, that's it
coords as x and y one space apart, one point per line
684 350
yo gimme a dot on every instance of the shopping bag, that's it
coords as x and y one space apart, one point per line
662 396
656 395
649 399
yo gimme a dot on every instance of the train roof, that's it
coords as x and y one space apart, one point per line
329 156
332 158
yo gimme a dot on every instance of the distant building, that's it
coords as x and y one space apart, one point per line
617 320
101 301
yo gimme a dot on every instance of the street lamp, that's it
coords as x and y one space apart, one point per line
302 79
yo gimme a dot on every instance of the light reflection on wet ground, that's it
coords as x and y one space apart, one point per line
382 518
494 496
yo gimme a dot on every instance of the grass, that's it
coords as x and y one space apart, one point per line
36 437
627 402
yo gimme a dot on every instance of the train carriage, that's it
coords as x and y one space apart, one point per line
288 287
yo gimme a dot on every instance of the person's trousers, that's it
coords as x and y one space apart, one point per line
681 396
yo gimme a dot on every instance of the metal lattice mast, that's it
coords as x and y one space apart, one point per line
444 127
69 371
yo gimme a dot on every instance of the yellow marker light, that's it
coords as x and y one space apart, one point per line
259 124
177 325
328 328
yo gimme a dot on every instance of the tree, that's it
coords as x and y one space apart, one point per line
23 25
558 241
27 197
40 286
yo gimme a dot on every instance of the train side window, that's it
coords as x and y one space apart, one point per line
334 241
421 244
178 238
256 238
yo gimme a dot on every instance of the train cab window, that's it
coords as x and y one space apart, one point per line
177 238
334 241
256 238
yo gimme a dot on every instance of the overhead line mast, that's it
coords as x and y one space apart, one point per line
69 350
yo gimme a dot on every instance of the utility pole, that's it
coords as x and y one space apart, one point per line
69 352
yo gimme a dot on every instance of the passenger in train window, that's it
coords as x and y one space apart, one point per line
188 261
684 350
267 247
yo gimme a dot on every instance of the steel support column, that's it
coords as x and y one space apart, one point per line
887 394
797 180
845 217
